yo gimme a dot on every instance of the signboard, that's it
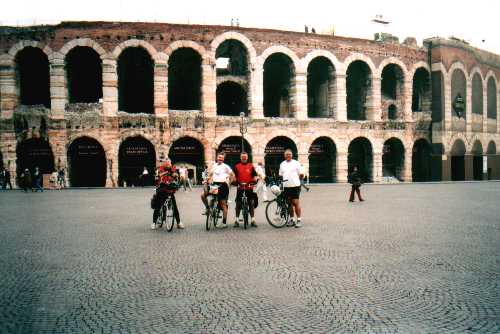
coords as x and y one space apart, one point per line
317 149
39 152
84 150
185 150
136 150
230 148
275 149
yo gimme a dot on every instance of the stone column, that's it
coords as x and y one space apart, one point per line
58 93
8 93
300 104
257 93
208 89
377 166
447 104
468 108
341 97
342 167
446 167
485 109
109 87
161 86
374 110
408 97
407 168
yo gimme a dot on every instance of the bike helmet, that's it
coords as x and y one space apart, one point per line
275 190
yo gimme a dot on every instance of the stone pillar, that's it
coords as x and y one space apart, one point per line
109 87
8 93
111 171
300 95
257 93
468 108
485 110
341 97
469 167
342 167
447 104
407 168
374 110
377 166
208 89
58 93
161 87
407 97
446 167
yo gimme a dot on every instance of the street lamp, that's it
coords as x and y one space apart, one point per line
243 130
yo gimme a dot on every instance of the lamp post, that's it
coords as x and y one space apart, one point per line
243 130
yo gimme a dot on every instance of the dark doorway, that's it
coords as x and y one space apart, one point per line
421 97
135 154
393 158
458 161
278 76
274 151
360 154
184 80
236 55
231 99
320 86
322 161
477 161
421 161
135 81
231 147
33 153
187 150
84 75
32 67
392 112
87 163
358 85
491 99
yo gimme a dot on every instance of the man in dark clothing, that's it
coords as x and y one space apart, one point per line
37 180
25 180
355 180
6 181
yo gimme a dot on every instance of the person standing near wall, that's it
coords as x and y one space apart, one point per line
355 181
37 180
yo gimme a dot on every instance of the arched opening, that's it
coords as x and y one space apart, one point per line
135 81
392 90
458 161
33 80
358 85
392 112
492 160
231 99
33 153
360 154
421 97
477 94
492 99
274 153
393 158
477 161
84 75
184 80
231 147
232 58
421 161
86 163
136 153
190 153
437 96
278 86
322 161
458 95
320 88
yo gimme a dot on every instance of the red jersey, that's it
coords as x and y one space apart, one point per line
245 173
167 172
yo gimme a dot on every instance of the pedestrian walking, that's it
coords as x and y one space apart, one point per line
37 180
61 178
25 180
144 177
355 181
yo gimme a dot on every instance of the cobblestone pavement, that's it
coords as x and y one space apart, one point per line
411 259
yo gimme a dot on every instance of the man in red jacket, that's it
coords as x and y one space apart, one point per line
246 178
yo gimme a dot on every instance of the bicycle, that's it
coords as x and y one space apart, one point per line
278 210
245 207
213 212
166 215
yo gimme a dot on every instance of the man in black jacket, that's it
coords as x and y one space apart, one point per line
355 180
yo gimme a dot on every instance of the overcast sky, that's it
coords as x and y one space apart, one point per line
473 21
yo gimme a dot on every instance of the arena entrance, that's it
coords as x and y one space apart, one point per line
136 153
231 147
322 161
393 158
477 161
189 152
360 154
33 153
421 161
458 161
87 163
274 151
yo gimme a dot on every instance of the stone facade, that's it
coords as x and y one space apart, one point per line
63 122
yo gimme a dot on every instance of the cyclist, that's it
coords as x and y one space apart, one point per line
245 175
167 175
292 172
221 174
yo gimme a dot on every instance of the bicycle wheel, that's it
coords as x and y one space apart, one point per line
215 214
169 214
208 221
159 219
276 214
244 211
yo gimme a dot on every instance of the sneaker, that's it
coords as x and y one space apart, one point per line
180 226
290 222
236 224
223 225
298 224
253 223
153 226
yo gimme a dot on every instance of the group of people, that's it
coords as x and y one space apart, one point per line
248 179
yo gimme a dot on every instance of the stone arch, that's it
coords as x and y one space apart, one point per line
134 153
83 67
231 147
35 152
321 87
32 71
457 153
477 70
395 61
359 56
477 153
281 49
273 153
492 147
458 83
87 162
477 85
35 44
322 160
421 88
189 151
82 42
360 154
416 66
491 97
185 78
359 89
393 78
393 158
337 65
421 160
134 43
458 66
219 39
190 45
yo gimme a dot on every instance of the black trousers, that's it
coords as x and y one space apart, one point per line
161 196
355 188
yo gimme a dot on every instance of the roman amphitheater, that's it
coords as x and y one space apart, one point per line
104 100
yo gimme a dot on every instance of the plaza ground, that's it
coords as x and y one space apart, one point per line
413 258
